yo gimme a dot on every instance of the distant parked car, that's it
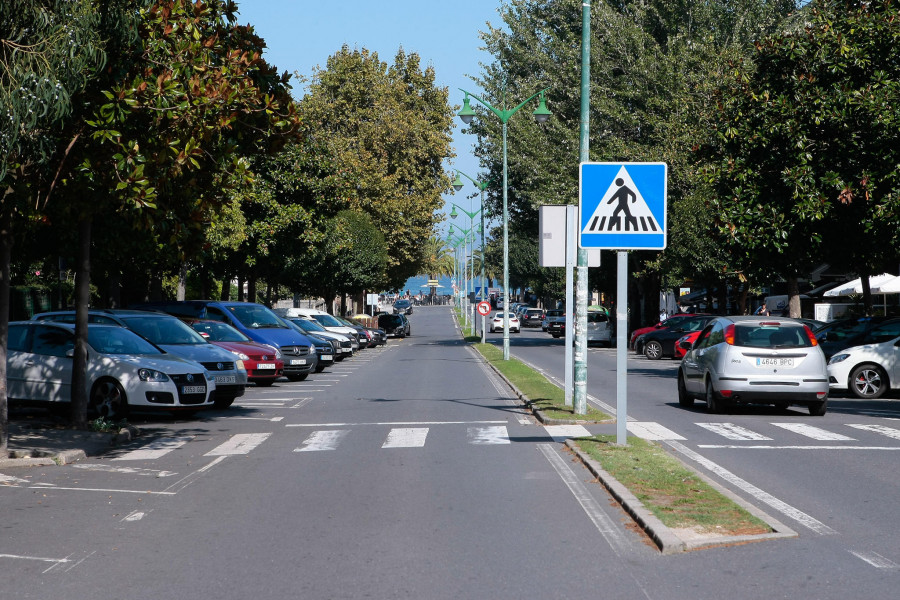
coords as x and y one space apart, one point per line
684 343
394 325
497 323
845 333
550 315
403 307
748 359
600 328
124 370
672 321
871 370
532 317
660 343
263 363
344 346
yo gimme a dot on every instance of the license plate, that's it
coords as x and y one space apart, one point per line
775 362
327 357
193 389
225 379
261 366
346 350
301 361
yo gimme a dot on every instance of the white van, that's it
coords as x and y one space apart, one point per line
324 319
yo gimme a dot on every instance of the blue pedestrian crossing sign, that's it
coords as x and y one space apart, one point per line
622 206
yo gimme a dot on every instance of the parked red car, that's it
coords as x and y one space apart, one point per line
691 338
263 363
668 323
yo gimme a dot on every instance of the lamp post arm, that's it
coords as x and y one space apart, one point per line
471 215
504 115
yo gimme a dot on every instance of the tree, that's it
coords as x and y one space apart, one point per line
809 144
387 130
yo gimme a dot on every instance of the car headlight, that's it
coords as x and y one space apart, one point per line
239 365
151 375
838 358
240 355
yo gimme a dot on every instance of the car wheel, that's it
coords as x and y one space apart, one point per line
297 376
868 382
713 406
264 382
320 368
818 409
653 350
225 402
684 399
108 399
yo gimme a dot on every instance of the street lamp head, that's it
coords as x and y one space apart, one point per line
457 183
467 113
542 113
453 215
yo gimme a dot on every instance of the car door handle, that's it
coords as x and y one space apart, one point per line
29 363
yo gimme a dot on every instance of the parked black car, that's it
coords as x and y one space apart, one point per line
845 333
403 307
394 325
661 342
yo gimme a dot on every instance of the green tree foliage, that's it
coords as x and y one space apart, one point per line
809 143
387 131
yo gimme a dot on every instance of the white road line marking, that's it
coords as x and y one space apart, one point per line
772 447
488 435
104 490
607 528
323 440
880 429
561 433
9 479
135 515
126 470
36 558
156 448
406 437
392 423
733 432
815 433
268 419
269 404
652 431
779 505
875 559
190 477
240 443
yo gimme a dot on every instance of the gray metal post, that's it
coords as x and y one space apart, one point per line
622 349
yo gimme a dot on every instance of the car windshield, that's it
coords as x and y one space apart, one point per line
597 317
118 340
307 325
771 335
390 320
327 320
164 330
255 316
216 331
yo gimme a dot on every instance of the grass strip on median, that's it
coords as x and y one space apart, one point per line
671 491
542 394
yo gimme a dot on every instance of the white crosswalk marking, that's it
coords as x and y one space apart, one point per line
561 433
652 431
733 432
156 448
323 440
406 437
815 433
240 443
880 429
488 435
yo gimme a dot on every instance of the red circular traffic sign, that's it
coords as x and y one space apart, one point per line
484 308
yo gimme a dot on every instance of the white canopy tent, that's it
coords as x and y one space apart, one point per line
891 286
853 288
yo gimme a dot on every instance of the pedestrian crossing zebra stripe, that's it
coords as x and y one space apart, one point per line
642 224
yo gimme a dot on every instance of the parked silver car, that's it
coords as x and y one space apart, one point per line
745 359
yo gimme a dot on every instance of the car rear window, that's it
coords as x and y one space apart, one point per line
771 335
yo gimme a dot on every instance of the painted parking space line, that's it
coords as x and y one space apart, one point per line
155 449
406 437
733 432
648 430
126 470
240 443
876 560
816 433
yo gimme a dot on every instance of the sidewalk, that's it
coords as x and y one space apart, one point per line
39 439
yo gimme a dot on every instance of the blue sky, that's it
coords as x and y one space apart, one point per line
302 34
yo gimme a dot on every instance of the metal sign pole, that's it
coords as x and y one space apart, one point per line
622 349
571 249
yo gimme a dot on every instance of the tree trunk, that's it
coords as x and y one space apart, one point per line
82 302
182 282
225 294
866 291
240 290
5 257
793 297
251 288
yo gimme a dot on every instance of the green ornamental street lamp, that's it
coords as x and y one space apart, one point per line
481 185
540 115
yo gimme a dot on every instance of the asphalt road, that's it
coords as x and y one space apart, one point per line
411 472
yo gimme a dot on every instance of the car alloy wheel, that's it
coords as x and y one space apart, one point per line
653 350
108 399
868 381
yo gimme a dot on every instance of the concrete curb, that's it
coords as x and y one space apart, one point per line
44 458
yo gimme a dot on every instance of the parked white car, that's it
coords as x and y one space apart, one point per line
123 370
497 323
871 370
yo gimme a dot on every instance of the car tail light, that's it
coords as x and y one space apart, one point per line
812 337
729 335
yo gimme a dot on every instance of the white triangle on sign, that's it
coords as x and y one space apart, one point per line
622 210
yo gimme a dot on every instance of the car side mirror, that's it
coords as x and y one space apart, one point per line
686 345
